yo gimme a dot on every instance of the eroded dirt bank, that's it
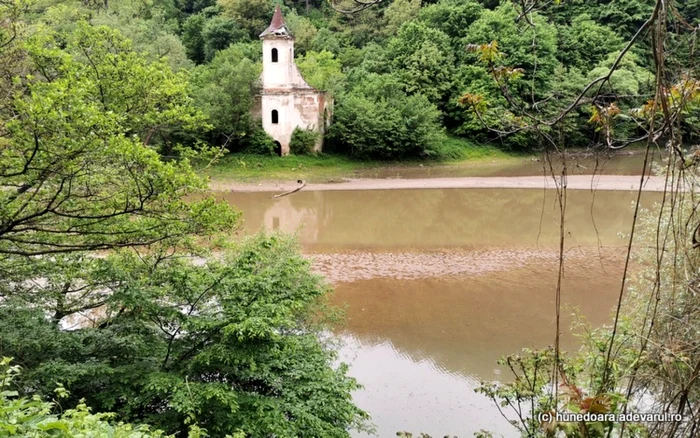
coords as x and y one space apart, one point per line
573 182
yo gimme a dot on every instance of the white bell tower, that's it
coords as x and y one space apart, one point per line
287 101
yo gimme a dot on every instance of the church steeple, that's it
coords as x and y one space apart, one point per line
277 27
287 101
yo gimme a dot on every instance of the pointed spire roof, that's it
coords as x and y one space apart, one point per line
277 27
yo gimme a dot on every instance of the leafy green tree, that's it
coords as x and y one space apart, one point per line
253 15
422 58
322 71
453 17
625 16
74 171
150 26
218 33
232 344
629 79
20 416
326 39
399 12
194 6
225 91
585 43
362 27
192 37
532 49
381 121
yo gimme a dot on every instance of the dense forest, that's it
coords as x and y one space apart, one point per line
400 71
121 288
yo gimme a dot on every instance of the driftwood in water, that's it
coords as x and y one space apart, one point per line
300 181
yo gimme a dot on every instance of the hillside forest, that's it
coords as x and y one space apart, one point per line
124 299
404 73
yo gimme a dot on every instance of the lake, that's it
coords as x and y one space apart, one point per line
438 284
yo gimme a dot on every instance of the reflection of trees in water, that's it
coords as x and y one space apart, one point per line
444 217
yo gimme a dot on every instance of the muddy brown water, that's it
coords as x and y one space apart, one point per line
438 284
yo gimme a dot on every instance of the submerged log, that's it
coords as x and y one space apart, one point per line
301 181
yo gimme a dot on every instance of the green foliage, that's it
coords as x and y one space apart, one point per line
303 141
586 43
218 33
253 15
32 418
149 29
147 99
399 12
625 16
452 17
75 173
224 90
628 79
322 71
422 59
258 141
192 37
233 344
303 30
382 122
515 39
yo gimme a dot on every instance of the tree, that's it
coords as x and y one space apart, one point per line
253 15
532 49
321 71
585 43
106 254
218 33
233 344
399 12
380 121
75 174
20 416
303 30
452 17
423 60
225 90
192 37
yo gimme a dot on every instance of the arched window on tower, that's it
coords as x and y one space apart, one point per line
275 117
274 55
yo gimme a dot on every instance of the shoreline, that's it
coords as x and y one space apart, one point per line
574 182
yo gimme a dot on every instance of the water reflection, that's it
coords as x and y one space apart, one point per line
440 218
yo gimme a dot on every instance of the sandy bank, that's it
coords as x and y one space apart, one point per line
574 182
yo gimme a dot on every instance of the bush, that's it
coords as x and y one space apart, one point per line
391 128
303 141
21 416
258 142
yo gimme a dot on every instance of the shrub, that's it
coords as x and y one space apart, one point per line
303 141
391 128
258 142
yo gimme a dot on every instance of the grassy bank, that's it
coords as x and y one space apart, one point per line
326 167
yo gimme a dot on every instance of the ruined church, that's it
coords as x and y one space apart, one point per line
286 100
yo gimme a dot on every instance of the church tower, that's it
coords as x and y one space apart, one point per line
287 101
